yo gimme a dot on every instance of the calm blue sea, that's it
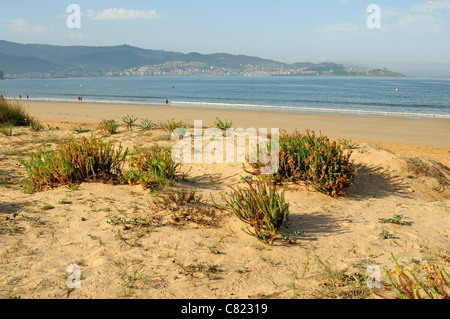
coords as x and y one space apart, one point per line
416 97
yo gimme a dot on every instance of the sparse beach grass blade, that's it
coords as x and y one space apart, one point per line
135 177
222 125
171 125
260 207
34 125
130 121
80 130
147 124
109 126
435 285
348 144
185 206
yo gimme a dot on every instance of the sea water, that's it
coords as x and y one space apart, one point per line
400 97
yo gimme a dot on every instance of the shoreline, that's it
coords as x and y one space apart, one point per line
285 109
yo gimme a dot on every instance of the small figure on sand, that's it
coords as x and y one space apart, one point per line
27 97
167 102
80 99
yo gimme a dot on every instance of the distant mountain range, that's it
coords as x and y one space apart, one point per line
41 60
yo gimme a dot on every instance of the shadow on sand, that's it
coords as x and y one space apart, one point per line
312 226
7 208
375 182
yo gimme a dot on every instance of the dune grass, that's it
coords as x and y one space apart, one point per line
170 125
6 128
109 127
315 160
13 113
151 168
75 161
435 285
260 206
219 124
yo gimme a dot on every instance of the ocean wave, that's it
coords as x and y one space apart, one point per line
300 109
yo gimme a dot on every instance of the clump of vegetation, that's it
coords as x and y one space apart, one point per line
348 144
151 168
135 177
171 125
75 161
80 130
340 283
130 121
13 113
130 231
6 128
109 126
221 125
147 124
397 219
312 159
5 179
385 234
36 126
157 161
185 206
436 283
48 207
259 206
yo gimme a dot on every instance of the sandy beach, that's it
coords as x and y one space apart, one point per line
424 137
403 169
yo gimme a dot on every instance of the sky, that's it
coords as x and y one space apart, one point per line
413 36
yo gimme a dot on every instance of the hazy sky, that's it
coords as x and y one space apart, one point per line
414 37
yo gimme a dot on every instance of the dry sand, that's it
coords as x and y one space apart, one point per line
403 169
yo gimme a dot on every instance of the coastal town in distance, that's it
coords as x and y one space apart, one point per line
32 61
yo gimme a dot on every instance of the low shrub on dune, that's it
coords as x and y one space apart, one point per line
219 124
75 161
109 127
315 160
260 206
171 125
13 113
151 168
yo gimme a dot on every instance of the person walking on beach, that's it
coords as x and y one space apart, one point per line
27 97
167 102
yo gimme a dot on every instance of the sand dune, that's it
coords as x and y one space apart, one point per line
326 243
